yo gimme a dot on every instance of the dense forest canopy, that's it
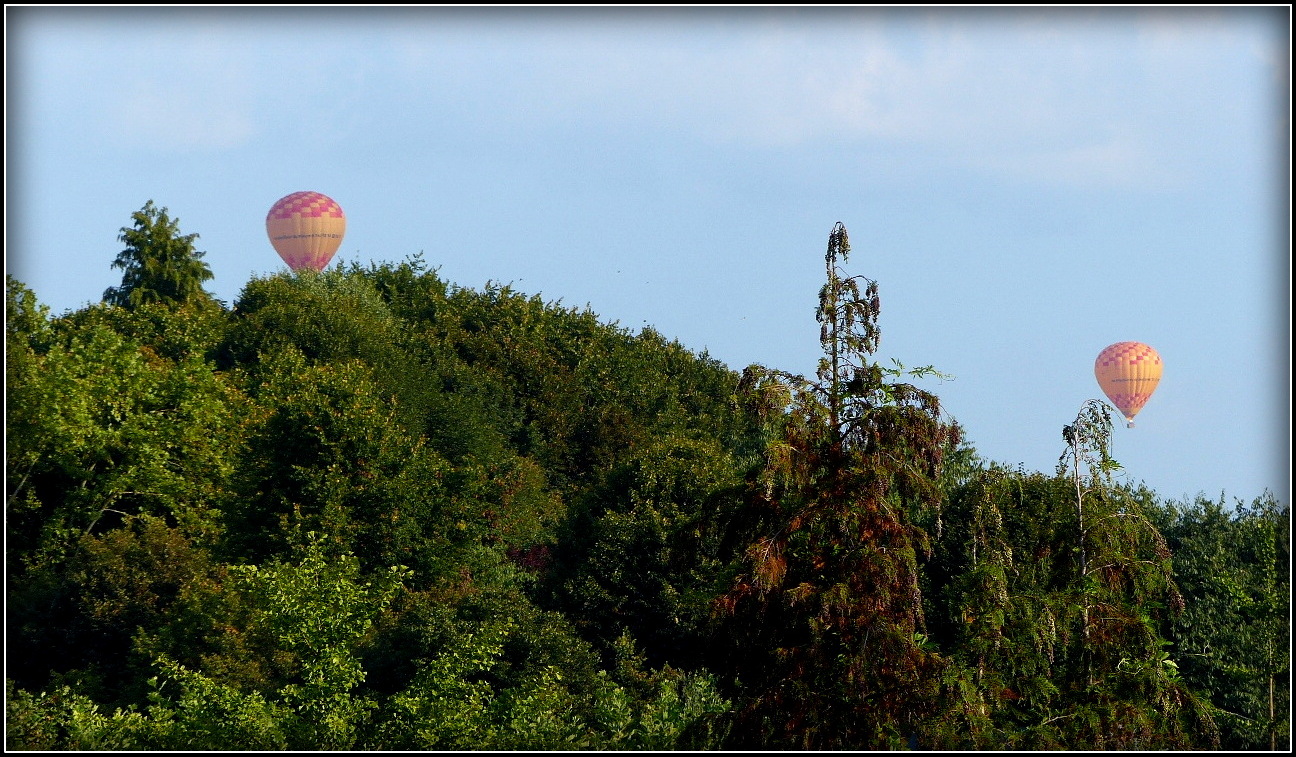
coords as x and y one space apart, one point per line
370 509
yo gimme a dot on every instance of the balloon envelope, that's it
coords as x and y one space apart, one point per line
1128 373
306 229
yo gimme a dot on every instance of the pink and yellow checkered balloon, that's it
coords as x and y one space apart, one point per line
306 230
1128 373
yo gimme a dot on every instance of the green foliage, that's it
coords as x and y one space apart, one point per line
355 418
63 719
173 332
329 316
26 320
644 556
571 393
451 705
159 264
369 510
318 610
100 428
1233 640
82 613
327 456
447 706
1050 592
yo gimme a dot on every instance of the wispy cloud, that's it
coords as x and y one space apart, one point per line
1096 101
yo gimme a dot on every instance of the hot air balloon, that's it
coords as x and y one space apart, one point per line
1128 373
306 229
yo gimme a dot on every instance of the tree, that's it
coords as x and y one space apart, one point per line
640 555
100 428
1233 639
160 264
1049 594
827 612
26 320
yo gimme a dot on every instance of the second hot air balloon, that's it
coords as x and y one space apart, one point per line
306 230
1128 373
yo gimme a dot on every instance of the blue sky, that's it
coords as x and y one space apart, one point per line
1026 187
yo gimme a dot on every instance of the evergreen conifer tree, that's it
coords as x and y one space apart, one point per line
828 613
160 264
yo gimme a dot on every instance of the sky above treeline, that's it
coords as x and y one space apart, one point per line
1026 187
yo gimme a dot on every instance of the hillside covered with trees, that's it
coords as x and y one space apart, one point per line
368 509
